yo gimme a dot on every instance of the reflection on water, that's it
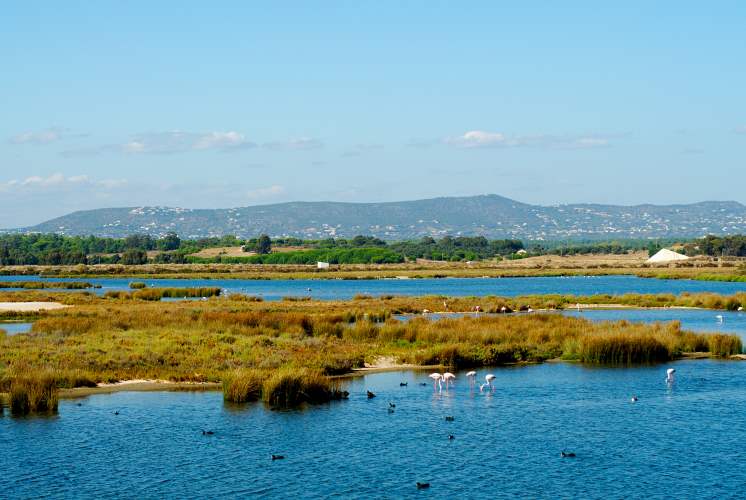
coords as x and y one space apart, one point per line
346 289
684 441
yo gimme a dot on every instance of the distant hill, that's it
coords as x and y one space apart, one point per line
490 215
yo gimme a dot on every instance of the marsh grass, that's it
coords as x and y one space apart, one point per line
137 285
32 393
288 347
156 294
41 285
243 386
290 386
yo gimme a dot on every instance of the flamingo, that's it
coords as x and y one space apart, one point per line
669 375
449 378
472 376
719 317
437 378
488 381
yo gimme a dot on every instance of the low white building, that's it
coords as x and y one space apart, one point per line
665 255
322 265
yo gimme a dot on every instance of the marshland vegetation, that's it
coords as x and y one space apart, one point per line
283 352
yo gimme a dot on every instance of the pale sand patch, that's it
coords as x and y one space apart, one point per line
141 385
30 306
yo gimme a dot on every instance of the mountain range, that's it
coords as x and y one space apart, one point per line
492 216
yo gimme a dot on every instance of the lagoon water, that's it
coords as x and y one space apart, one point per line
680 442
15 327
346 289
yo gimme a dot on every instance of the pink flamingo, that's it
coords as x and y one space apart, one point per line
488 382
437 378
449 378
472 376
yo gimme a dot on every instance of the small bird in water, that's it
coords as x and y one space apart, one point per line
391 410
423 384
403 384
450 419
278 457
634 399
568 454
208 433
80 404
370 395
392 405
116 412
451 436
422 486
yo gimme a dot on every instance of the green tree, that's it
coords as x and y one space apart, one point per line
134 256
263 245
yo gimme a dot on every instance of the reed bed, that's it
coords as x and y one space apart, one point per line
286 348
243 386
137 285
41 285
288 387
32 392
155 294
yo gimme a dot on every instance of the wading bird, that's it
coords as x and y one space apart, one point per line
720 318
449 378
437 379
488 381
669 376
472 376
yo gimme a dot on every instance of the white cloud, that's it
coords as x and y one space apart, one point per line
56 182
482 139
300 144
41 137
175 141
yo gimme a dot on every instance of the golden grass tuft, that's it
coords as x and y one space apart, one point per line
243 386
33 393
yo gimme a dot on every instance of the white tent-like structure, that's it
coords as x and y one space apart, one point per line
665 255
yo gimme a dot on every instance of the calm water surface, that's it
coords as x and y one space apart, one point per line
683 442
346 289
14 327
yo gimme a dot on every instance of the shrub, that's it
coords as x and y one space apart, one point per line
137 285
622 349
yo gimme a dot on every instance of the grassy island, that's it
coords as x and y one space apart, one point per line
284 352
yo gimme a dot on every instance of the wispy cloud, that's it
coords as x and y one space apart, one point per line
41 137
57 182
300 144
482 139
172 142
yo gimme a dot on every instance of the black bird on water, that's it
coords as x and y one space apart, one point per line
278 457
450 419
568 454
208 433
403 384
423 384
370 395
116 412
422 486
392 405
451 436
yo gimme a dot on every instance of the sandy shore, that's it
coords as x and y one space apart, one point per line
140 385
30 306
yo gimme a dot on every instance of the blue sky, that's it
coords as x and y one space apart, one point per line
219 104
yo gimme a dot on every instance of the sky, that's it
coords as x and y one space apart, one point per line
228 104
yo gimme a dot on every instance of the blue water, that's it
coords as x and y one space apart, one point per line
698 320
684 442
346 289
14 328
